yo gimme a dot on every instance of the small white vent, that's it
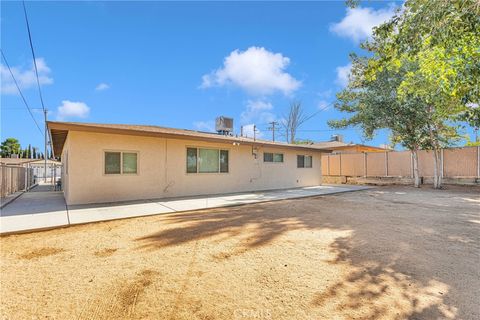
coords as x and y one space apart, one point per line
337 137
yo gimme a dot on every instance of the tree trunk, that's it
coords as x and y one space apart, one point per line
437 170
416 176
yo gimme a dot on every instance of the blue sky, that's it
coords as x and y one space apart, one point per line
182 64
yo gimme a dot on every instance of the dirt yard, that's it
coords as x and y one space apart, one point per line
386 253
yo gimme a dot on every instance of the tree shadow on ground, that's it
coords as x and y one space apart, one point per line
395 254
374 290
258 224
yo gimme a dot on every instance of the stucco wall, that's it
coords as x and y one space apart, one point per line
65 169
162 169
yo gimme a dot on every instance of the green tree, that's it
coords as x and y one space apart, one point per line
373 104
472 117
29 152
445 62
431 48
10 146
34 153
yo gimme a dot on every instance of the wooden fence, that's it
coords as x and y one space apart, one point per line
15 178
456 162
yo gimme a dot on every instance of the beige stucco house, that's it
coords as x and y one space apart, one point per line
107 162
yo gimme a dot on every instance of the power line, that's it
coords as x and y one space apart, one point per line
18 108
325 130
33 54
20 91
324 108
46 135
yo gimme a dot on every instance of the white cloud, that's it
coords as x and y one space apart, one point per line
70 109
256 70
25 77
102 86
257 111
204 126
343 74
358 22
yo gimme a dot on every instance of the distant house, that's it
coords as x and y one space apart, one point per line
54 168
114 162
38 166
336 145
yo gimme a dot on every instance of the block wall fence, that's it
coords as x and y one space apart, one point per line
456 163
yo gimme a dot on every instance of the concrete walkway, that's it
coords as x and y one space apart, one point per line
37 209
42 208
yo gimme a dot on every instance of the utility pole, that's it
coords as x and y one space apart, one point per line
46 141
273 123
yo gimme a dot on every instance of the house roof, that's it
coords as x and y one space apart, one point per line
20 161
340 145
42 161
15 161
59 131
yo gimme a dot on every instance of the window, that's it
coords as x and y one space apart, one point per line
191 160
272 157
308 161
112 162
207 160
267 157
223 161
304 161
278 157
121 162
129 163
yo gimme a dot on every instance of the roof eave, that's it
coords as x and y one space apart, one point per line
63 126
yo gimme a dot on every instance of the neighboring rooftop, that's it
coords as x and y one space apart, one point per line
21 161
15 161
338 145
59 131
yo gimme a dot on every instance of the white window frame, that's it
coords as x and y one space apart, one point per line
121 163
305 155
198 164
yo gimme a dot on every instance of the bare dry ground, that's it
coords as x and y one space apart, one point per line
387 253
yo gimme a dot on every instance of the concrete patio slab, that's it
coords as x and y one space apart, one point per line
37 209
42 208
110 211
